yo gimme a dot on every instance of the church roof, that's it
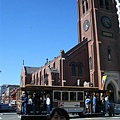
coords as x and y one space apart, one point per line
29 70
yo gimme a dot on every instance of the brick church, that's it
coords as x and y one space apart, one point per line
95 58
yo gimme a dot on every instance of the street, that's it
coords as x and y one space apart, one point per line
14 116
9 116
98 118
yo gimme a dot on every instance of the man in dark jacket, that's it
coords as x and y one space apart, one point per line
24 103
34 103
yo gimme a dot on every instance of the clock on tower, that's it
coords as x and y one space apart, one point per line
106 22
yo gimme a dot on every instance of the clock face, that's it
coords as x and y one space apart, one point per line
86 25
106 22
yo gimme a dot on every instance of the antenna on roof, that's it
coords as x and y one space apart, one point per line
23 62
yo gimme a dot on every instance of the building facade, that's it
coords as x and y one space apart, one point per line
26 75
95 59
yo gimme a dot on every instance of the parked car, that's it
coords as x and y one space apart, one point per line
117 109
6 107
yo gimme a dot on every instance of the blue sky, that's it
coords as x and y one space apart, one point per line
33 30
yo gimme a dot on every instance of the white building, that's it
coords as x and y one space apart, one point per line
3 88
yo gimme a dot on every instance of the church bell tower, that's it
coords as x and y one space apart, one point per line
98 23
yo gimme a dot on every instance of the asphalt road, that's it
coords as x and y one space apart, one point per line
14 116
9 116
98 118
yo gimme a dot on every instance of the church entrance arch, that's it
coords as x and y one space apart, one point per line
112 87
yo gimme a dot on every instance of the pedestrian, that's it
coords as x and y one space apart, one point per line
102 104
98 104
59 114
24 104
29 104
93 103
48 104
34 103
44 102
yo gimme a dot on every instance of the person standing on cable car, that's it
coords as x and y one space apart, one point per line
48 104
106 103
29 104
34 103
24 102
93 103
87 104
40 103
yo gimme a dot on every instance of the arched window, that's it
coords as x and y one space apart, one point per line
37 79
101 3
40 77
109 53
107 4
34 79
90 63
83 7
73 70
86 5
54 64
79 70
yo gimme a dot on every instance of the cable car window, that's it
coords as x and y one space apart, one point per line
65 96
73 96
80 96
57 96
